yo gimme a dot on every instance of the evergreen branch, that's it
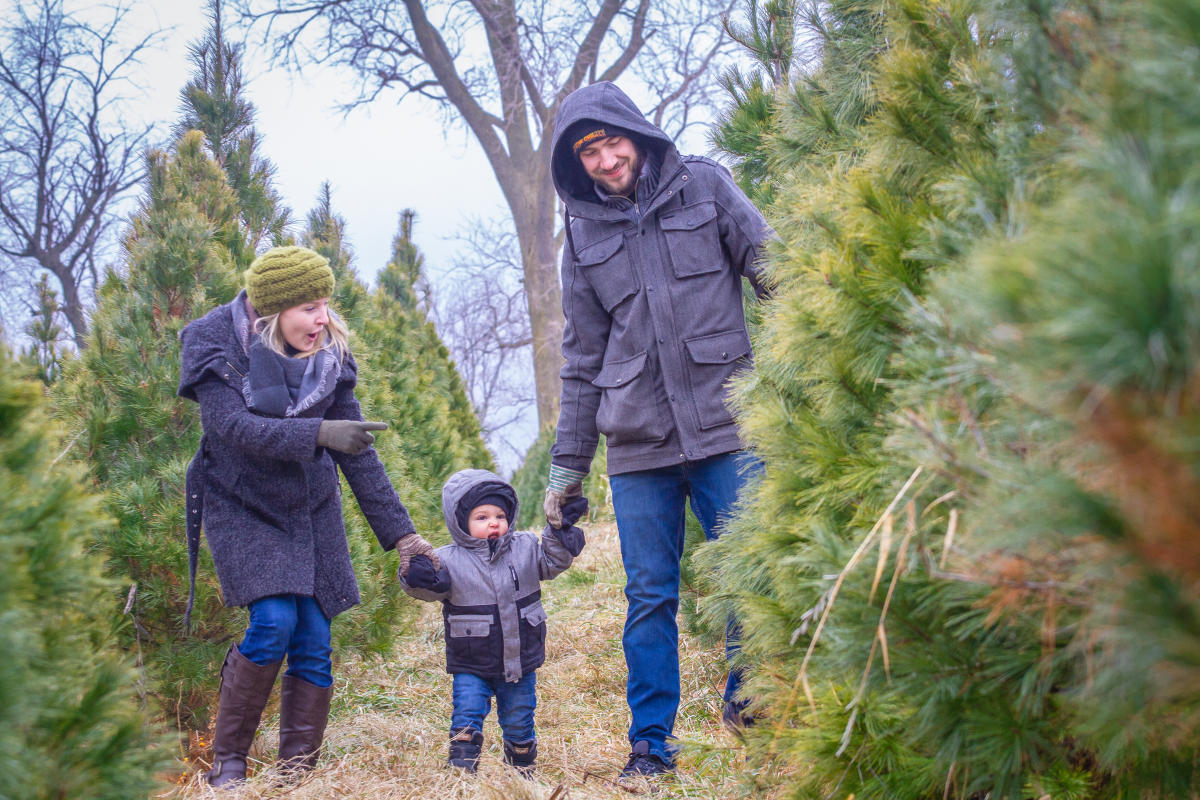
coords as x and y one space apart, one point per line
802 676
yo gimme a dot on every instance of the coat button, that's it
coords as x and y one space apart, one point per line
724 355
685 177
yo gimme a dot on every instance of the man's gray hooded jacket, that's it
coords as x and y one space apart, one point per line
652 294
495 623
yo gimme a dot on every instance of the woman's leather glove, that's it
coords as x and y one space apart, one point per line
350 436
413 545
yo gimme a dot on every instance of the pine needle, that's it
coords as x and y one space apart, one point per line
948 542
802 676
885 547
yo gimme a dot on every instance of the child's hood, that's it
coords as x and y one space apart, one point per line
457 486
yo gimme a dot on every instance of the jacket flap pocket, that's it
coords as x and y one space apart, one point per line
534 614
619 373
690 217
599 252
719 348
469 624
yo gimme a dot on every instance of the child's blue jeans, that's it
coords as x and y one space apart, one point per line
515 703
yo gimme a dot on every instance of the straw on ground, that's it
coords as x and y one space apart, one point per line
387 736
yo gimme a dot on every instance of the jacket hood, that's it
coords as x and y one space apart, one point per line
606 104
457 487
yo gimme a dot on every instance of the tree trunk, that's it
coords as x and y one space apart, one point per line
532 203
72 306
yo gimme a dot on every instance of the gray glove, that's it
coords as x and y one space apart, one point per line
413 545
348 435
556 499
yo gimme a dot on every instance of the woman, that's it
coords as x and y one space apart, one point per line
275 382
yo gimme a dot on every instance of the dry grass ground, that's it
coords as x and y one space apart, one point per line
387 735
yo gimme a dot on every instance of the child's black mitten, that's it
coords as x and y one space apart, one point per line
572 510
422 575
571 536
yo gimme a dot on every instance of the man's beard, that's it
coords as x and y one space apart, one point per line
634 168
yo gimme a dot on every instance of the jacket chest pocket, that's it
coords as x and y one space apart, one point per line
692 239
629 409
605 265
469 626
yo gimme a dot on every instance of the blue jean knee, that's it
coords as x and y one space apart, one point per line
291 626
515 704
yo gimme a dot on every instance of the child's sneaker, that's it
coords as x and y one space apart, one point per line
521 756
465 747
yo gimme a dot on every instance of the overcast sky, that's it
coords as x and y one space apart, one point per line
379 160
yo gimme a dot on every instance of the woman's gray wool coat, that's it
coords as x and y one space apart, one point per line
267 494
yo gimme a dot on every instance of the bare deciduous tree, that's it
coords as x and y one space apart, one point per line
481 315
502 67
65 157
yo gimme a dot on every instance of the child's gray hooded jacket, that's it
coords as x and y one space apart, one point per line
495 623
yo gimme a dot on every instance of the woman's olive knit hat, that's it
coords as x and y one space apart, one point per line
284 277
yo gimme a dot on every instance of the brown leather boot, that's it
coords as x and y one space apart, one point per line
303 712
245 687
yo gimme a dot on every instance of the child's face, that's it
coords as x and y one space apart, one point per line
487 522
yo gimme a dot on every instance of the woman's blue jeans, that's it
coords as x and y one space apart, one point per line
515 704
649 508
290 625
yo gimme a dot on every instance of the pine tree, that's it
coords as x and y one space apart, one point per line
138 437
436 428
964 573
71 724
45 355
214 103
405 378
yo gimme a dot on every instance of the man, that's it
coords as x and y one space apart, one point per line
657 245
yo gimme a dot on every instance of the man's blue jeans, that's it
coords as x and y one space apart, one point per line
515 704
291 625
649 507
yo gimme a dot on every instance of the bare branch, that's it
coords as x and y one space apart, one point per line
67 155
637 39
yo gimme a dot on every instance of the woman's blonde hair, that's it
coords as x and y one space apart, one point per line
336 341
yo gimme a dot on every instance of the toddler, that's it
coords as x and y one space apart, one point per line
489 584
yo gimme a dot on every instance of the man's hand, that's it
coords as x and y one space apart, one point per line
414 545
564 485
348 435
556 500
